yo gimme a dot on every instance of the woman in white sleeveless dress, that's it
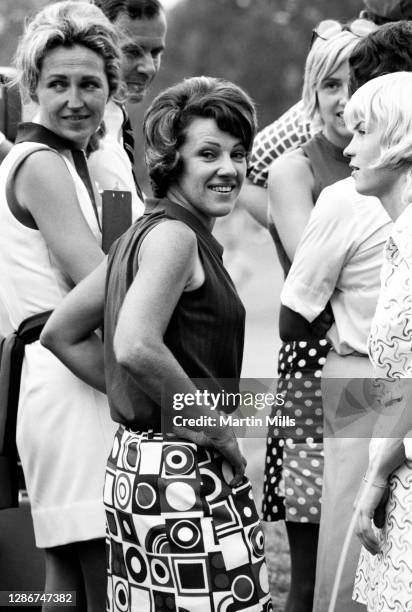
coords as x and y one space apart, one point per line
50 239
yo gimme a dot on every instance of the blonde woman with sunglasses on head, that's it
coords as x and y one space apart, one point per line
293 469
292 128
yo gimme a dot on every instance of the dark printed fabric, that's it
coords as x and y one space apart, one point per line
292 483
179 539
285 134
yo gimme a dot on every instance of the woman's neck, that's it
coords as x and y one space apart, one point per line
338 140
392 200
177 198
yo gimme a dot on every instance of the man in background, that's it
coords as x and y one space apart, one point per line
141 26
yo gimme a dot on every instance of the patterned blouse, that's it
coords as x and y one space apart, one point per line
390 340
285 134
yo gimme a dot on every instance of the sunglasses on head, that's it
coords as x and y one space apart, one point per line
329 28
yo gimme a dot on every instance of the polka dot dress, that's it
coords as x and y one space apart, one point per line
294 465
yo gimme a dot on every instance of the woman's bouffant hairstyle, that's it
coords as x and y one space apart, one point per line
324 58
172 111
384 104
66 24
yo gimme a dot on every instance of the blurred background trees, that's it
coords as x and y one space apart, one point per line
259 44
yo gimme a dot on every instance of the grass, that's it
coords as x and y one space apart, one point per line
251 259
278 561
276 544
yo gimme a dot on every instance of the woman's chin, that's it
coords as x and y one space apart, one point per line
364 190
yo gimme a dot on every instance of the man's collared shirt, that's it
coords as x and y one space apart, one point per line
110 166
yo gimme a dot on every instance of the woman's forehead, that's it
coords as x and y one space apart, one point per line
71 59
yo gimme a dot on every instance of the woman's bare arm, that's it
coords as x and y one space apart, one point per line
44 187
70 331
290 196
168 265
254 199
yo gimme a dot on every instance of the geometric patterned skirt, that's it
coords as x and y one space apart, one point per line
179 538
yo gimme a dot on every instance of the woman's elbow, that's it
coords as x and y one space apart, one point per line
133 354
285 336
49 338
54 338
292 326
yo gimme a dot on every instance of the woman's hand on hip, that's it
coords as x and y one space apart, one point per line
224 441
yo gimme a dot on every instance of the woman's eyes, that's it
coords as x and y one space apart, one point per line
57 85
61 86
331 85
239 155
209 155
90 85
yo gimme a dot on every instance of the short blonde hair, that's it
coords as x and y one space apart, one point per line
66 24
384 104
324 58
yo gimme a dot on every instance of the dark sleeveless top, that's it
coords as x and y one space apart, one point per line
206 330
328 166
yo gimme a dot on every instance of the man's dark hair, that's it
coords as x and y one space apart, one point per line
387 50
366 14
134 9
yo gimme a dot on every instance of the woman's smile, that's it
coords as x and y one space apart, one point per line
213 170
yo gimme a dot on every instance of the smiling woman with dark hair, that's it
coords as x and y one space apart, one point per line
183 530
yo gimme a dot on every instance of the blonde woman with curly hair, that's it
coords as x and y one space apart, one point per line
380 116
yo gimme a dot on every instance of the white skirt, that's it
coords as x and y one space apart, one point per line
64 436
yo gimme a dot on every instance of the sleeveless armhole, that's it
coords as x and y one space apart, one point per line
22 215
143 235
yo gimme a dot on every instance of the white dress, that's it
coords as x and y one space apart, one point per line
384 581
64 430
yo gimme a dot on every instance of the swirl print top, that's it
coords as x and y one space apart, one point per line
384 581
